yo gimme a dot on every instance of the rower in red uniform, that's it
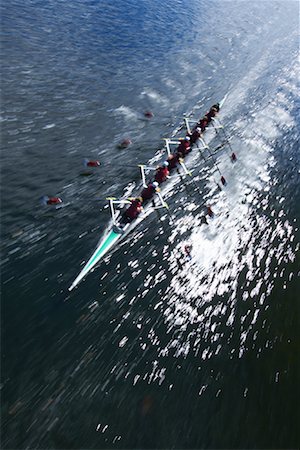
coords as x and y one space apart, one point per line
173 160
184 147
133 211
202 124
195 135
149 191
162 172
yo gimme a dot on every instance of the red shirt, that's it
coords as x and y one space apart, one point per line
161 174
173 161
148 192
203 124
184 147
195 136
134 209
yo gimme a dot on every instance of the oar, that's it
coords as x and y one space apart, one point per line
187 172
134 166
183 181
216 149
165 229
115 165
164 204
203 203
233 155
223 181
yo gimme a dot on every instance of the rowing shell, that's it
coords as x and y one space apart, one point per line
108 240
113 235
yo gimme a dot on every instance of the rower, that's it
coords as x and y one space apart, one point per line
133 211
195 135
149 191
162 172
202 124
173 160
184 147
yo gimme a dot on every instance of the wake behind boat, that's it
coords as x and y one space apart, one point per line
122 224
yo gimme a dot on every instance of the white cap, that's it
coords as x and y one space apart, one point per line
187 138
165 163
155 184
198 129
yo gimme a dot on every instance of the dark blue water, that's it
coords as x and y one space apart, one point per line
151 350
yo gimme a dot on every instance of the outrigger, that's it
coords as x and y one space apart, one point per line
116 230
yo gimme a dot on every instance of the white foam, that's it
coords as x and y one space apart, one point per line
127 112
154 95
50 125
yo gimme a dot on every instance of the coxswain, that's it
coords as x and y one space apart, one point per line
89 163
216 107
185 146
195 135
149 191
162 172
51 200
212 113
133 210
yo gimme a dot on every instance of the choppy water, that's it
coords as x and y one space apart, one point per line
152 350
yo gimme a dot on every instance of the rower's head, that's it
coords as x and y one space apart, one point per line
165 164
187 138
139 199
198 130
155 184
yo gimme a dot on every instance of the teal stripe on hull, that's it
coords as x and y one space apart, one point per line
109 241
101 251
